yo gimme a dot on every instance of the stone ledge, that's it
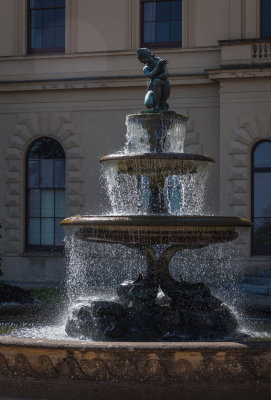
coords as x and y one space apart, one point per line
87 345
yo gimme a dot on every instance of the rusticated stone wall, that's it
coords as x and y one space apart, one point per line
73 370
29 127
249 131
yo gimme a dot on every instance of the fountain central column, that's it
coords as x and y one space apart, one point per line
156 201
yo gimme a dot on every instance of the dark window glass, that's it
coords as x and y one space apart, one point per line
36 39
45 194
34 231
33 174
36 19
48 38
262 155
262 194
47 231
48 3
176 10
175 31
162 31
59 232
59 173
163 11
261 199
266 18
46 26
46 148
60 17
34 203
150 11
60 37
35 4
59 204
60 3
48 18
161 23
149 32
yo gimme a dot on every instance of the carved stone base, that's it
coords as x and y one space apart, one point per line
165 371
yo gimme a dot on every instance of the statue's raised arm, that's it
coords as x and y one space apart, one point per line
159 88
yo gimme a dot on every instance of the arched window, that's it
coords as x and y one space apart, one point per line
261 198
45 195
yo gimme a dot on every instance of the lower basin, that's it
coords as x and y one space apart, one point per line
165 371
78 369
189 231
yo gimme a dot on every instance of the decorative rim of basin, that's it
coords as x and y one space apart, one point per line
157 221
186 231
157 156
158 115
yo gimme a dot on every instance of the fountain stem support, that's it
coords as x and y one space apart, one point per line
145 290
156 201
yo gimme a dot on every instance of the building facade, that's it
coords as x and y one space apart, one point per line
68 77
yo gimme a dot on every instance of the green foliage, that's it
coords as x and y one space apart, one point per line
47 295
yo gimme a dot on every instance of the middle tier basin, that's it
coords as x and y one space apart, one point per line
187 231
165 164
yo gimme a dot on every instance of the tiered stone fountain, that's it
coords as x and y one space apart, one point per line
70 369
188 310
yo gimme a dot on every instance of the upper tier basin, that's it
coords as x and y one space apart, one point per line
188 231
156 163
155 131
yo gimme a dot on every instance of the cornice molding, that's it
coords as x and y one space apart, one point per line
241 72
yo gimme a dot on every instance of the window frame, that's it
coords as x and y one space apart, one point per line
40 248
48 50
254 252
153 45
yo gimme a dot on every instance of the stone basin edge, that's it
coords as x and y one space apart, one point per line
213 347
72 370
178 157
166 220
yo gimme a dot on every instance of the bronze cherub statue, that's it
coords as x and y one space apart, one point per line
159 87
